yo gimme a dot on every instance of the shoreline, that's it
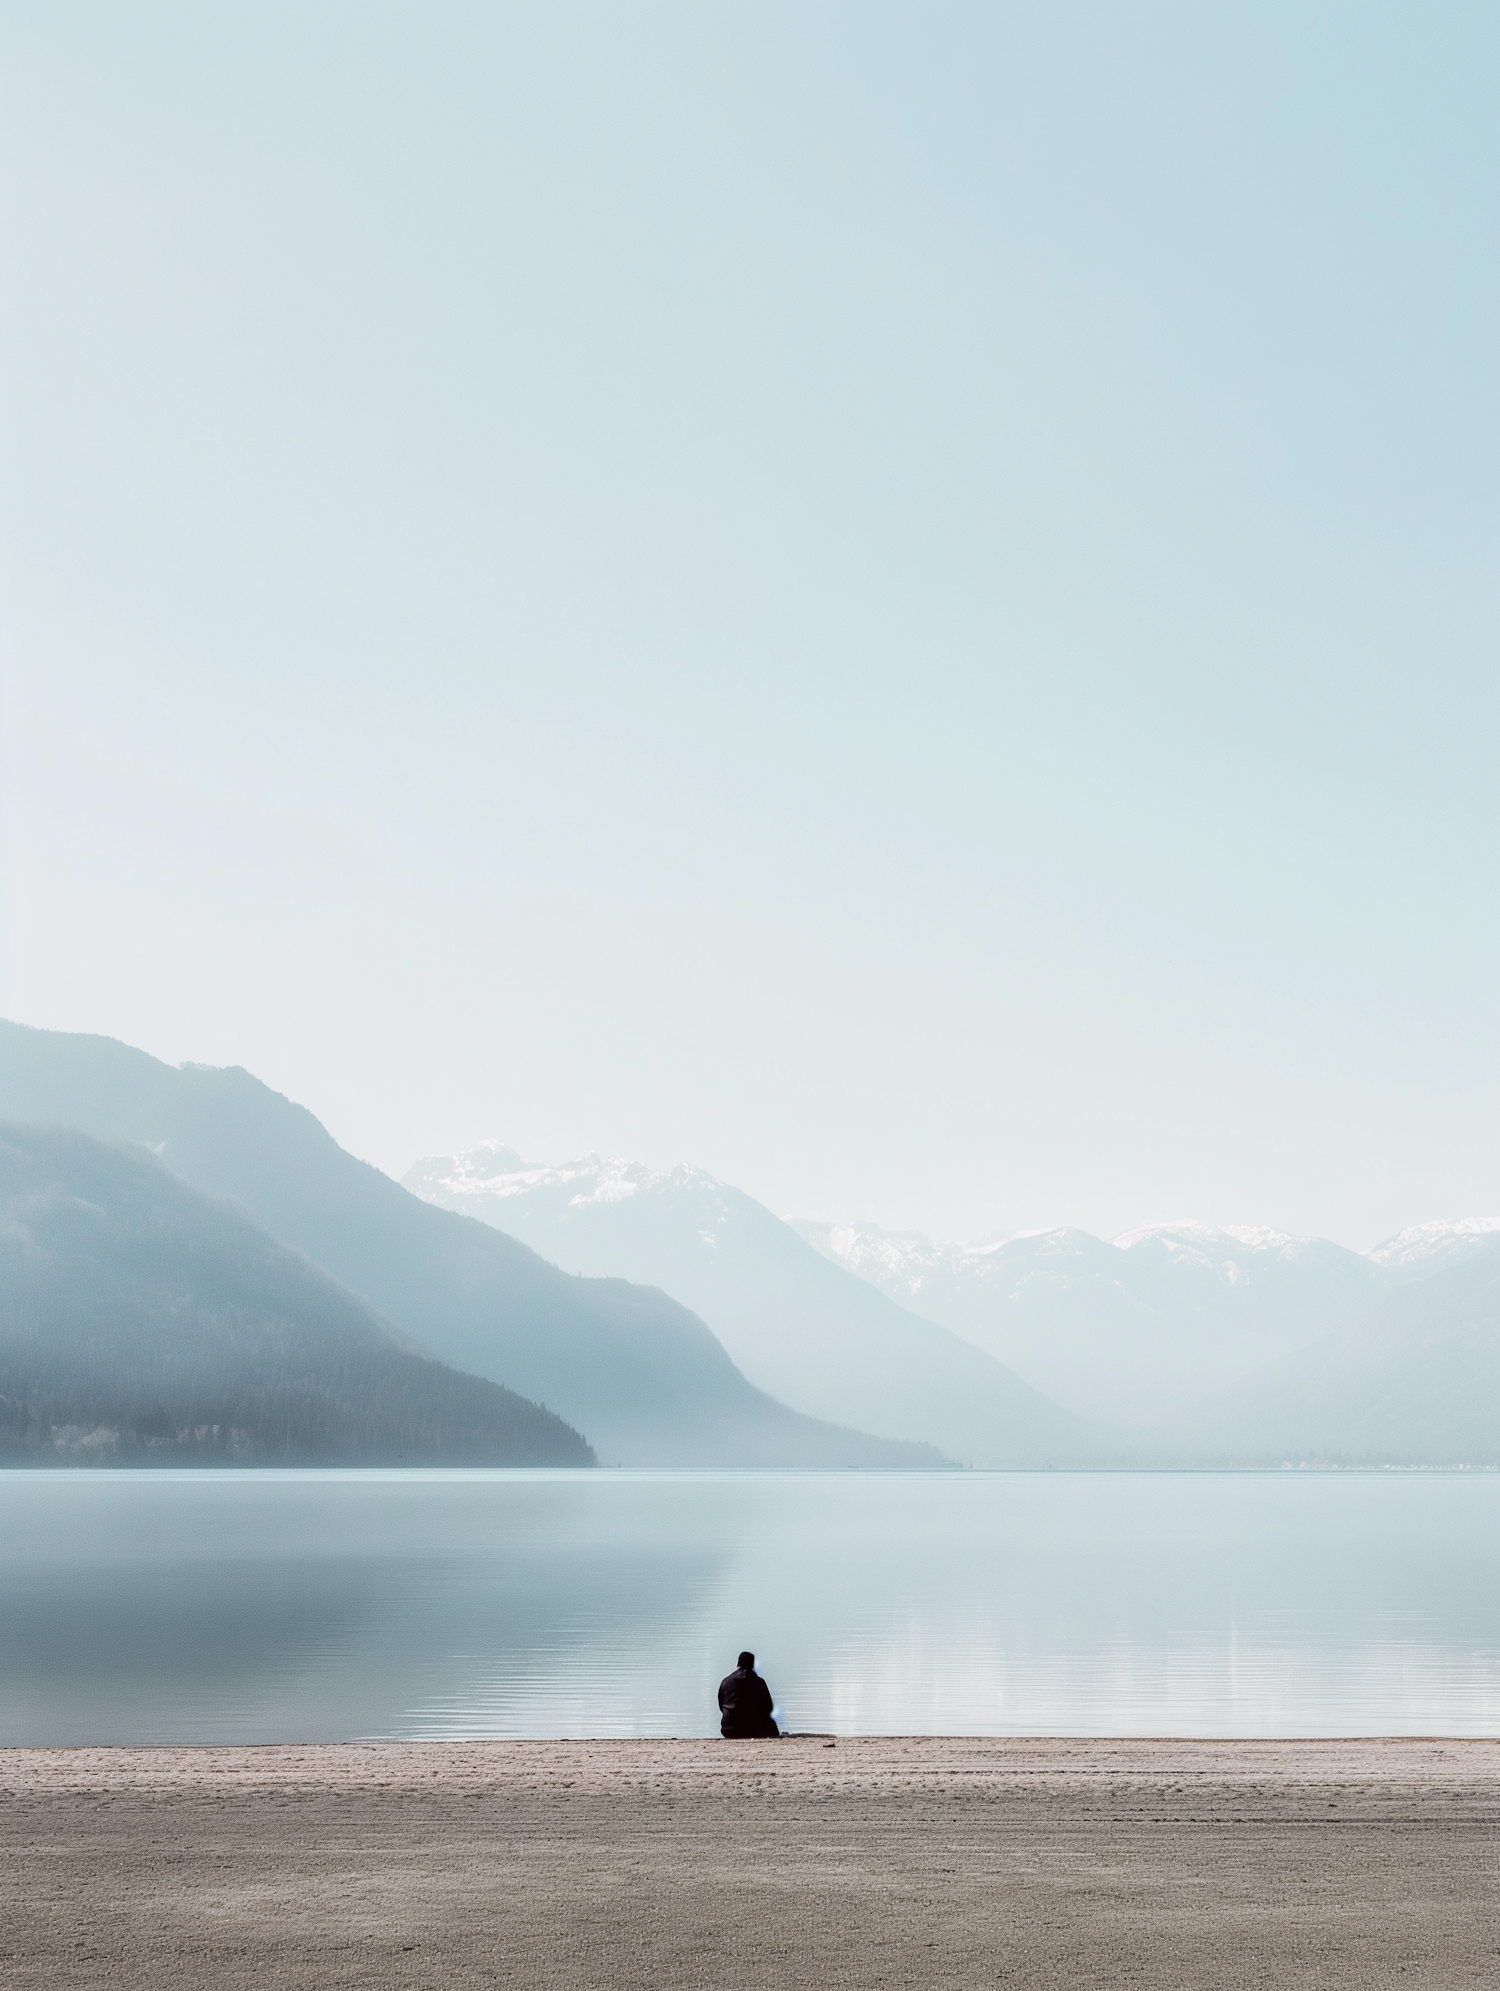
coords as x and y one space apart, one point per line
76 1765
680 1865
373 1759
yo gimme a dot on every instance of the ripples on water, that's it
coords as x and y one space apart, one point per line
231 1607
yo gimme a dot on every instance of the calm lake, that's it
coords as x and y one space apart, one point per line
313 1606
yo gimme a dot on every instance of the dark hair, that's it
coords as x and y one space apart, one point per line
747 1660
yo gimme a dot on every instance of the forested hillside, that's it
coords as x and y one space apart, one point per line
141 1322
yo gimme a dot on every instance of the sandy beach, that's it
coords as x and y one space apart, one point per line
804 1862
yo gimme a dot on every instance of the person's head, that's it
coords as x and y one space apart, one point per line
746 1662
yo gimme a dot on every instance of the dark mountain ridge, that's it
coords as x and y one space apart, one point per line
143 1323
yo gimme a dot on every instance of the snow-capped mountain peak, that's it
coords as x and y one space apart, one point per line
1227 1250
496 1184
491 1169
1188 1234
1422 1249
1117 1330
817 1337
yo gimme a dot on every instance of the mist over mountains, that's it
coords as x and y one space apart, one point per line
143 1323
808 1331
193 1268
1414 1380
1142 1327
634 1371
1134 1328
1176 1343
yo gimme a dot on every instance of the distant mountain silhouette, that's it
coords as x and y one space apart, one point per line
1414 1380
809 1331
141 1322
639 1375
1136 1329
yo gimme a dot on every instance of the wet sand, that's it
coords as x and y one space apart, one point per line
687 1864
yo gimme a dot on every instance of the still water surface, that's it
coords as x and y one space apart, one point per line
247 1607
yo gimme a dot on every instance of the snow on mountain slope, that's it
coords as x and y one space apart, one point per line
1140 1331
492 1171
1132 1329
1424 1249
797 1324
901 1263
1228 1249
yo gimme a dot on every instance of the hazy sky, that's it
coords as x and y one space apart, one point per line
899 601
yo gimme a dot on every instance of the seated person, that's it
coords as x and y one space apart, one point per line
745 1701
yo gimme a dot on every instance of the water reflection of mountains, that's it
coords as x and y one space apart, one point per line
245 1607
321 1612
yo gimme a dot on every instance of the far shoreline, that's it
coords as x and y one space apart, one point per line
232 1469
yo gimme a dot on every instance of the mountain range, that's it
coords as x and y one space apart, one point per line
1136 1328
1176 1343
193 1268
808 1331
634 1371
1144 1326
1414 1381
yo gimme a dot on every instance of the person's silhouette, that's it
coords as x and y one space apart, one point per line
745 1701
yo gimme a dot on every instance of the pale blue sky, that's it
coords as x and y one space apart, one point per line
899 601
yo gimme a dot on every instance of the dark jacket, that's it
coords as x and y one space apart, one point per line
745 1704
